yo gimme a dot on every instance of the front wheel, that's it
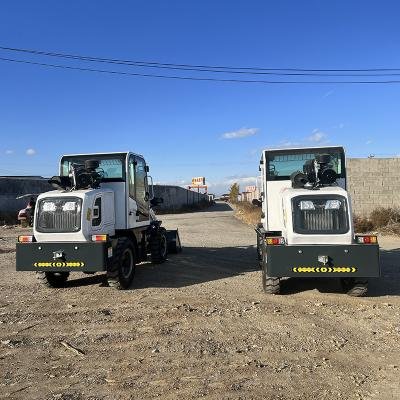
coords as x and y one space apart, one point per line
122 269
158 246
52 279
354 287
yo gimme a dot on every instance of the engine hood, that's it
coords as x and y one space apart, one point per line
290 193
319 225
58 219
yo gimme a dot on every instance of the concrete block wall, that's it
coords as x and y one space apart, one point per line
12 187
174 197
372 183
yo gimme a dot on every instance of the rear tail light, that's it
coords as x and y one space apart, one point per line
99 238
25 239
275 240
367 239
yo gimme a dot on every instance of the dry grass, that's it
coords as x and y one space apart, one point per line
383 220
362 224
247 213
392 229
383 217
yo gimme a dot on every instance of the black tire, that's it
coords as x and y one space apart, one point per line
122 269
158 246
354 287
260 251
271 284
52 279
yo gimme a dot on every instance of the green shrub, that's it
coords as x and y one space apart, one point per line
234 193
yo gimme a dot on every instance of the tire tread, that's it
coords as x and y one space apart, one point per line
113 271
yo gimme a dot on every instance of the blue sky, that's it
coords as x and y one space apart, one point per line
190 128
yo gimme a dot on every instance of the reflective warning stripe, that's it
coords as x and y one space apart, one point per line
60 264
324 269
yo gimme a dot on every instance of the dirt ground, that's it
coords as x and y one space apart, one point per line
199 326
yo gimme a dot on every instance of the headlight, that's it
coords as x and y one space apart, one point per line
69 206
307 205
49 206
332 205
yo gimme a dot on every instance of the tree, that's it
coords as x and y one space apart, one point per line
234 193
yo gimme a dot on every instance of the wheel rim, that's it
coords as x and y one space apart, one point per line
127 263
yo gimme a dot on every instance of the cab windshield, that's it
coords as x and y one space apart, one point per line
282 163
112 166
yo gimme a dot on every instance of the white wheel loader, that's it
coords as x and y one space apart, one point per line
306 227
99 218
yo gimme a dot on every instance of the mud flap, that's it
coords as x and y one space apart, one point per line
173 241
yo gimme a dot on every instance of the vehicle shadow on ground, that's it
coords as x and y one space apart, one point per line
87 280
197 265
193 266
387 285
204 264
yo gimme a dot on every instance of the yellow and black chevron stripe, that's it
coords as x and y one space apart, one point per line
60 264
324 269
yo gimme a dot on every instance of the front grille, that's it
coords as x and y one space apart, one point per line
320 215
59 215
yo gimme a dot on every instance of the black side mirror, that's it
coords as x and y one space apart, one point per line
156 201
256 202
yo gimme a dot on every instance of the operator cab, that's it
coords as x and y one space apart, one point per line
282 163
294 179
124 173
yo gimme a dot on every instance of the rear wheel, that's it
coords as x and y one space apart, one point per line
354 287
260 251
158 246
52 279
122 269
271 284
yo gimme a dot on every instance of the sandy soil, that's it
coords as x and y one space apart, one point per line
199 326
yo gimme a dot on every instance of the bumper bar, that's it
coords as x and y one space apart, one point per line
355 260
63 256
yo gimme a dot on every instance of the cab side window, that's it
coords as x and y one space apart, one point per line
131 172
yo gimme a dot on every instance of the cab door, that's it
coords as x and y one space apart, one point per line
138 199
142 189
